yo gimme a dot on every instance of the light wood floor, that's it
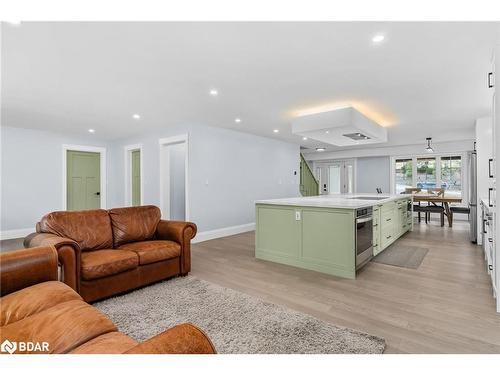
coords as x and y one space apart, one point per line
445 306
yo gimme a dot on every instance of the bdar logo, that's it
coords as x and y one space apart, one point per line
9 347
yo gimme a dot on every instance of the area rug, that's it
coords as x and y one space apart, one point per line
235 322
402 256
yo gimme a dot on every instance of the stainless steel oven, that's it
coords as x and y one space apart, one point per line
364 236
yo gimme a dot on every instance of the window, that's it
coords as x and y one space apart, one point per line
451 174
404 175
426 173
429 172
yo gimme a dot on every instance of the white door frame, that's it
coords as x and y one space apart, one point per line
127 152
326 163
102 177
165 206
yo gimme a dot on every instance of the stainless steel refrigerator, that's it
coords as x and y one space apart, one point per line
473 195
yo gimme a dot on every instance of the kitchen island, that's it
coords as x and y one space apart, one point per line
334 234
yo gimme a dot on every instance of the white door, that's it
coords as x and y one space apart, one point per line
336 177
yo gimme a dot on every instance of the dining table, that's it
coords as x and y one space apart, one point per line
436 199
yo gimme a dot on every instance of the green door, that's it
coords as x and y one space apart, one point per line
136 178
83 180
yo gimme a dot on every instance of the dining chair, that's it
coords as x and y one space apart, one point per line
418 208
434 208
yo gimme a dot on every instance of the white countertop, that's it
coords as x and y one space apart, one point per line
335 200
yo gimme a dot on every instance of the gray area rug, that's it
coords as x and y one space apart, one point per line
402 256
235 322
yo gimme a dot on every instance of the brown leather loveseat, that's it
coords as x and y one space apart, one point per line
39 314
105 252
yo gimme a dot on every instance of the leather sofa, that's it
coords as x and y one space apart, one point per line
36 308
106 252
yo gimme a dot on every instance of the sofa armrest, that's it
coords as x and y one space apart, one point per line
181 232
26 267
68 253
182 339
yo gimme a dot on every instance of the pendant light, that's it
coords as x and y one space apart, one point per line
429 148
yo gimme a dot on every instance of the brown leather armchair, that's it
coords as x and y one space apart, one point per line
106 252
36 308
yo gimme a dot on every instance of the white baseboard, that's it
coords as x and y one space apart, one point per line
15 233
223 232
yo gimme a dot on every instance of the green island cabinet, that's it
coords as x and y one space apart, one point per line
323 238
390 221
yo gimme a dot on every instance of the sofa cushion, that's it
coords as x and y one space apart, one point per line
132 224
64 326
109 343
34 299
153 251
91 229
106 262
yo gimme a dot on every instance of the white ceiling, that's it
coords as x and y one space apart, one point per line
424 79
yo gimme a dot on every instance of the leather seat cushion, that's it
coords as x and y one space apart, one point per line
153 251
34 299
101 263
109 343
91 229
132 224
64 326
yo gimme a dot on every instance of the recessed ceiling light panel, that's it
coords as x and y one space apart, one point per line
237 120
136 116
378 38
276 131
340 127
92 131
214 92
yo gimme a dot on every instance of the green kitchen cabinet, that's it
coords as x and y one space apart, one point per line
377 248
393 224
319 239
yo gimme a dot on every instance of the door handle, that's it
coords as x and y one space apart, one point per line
489 168
489 197
98 193
484 227
490 80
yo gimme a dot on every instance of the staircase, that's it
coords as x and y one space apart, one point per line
308 184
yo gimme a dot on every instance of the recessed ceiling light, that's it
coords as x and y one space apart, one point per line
328 131
378 38
136 116
214 92
276 131
304 138
320 149
91 130
238 120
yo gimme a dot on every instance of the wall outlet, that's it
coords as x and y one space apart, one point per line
297 215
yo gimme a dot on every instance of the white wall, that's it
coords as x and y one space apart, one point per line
239 168
31 178
373 173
